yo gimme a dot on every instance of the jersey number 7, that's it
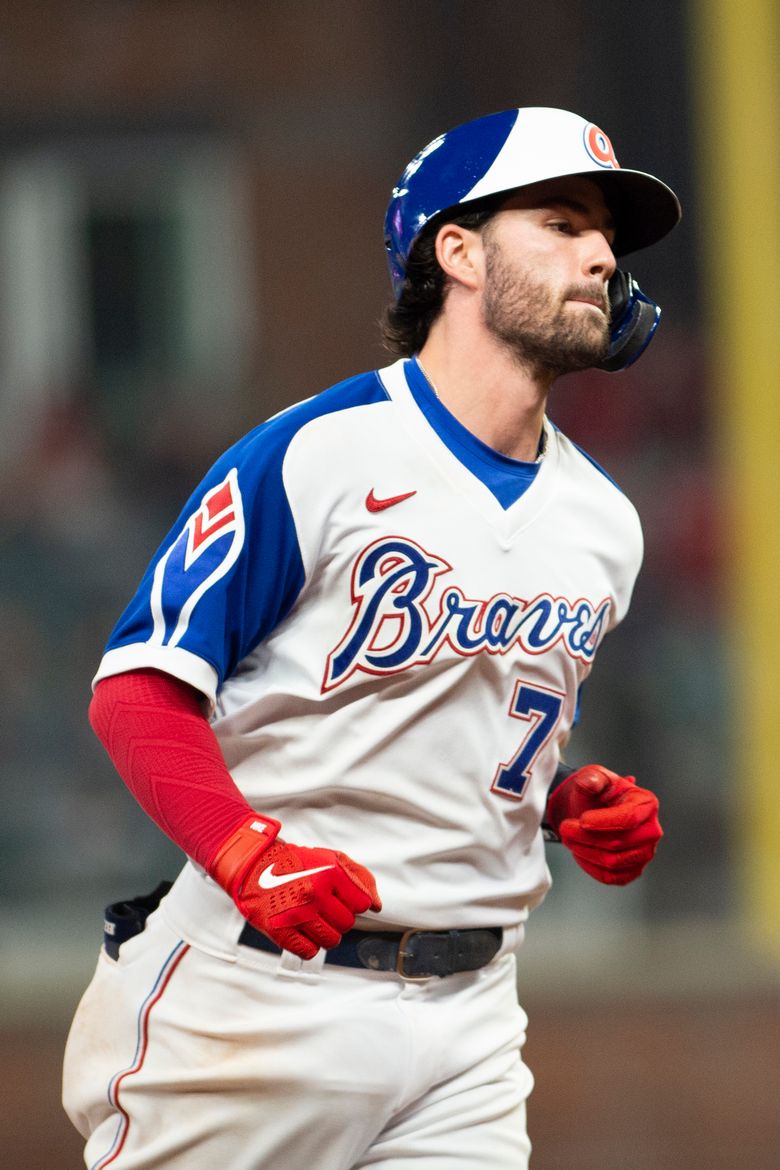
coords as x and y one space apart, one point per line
541 710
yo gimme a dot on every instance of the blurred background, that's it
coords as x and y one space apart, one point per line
191 206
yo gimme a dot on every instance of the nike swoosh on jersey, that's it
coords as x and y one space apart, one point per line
378 505
269 880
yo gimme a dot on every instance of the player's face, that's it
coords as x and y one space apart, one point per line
548 258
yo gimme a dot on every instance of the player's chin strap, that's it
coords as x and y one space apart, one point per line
634 319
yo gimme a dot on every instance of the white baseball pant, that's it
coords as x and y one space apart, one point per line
181 1060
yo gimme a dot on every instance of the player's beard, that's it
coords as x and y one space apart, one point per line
541 331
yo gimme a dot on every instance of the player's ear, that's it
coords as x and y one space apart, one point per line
460 254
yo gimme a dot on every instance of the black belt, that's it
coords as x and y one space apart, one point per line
412 954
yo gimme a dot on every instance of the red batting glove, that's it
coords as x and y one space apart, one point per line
301 898
610 824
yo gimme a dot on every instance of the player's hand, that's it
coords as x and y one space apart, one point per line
301 898
608 822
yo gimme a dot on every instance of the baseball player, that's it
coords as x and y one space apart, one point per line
343 687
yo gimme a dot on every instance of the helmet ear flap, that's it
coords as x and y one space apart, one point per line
634 319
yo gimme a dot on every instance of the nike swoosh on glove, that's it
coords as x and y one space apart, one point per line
302 898
608 822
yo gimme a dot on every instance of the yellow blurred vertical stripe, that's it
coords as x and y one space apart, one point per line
735 50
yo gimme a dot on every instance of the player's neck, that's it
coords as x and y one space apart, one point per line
487 391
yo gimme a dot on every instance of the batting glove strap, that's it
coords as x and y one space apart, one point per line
248 842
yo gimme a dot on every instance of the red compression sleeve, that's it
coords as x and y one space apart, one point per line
160 742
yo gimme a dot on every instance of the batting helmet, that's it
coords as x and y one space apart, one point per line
515 148
512 149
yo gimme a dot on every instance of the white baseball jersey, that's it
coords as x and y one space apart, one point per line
392 650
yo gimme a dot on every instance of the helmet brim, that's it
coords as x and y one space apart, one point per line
644 209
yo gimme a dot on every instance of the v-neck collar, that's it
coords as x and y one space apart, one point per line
507 478
446 442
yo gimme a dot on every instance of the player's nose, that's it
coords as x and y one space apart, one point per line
598 257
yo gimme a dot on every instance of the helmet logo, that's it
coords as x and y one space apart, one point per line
600 148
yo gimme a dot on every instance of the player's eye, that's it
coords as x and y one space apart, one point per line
561 225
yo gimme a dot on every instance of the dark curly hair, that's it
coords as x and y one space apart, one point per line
407 321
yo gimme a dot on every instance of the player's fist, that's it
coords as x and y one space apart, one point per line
301 898
608 822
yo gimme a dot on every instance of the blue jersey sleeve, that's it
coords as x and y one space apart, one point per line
226 574
230 570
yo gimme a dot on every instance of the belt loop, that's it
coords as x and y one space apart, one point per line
314 965
290 963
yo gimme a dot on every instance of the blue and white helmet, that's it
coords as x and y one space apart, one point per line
501 152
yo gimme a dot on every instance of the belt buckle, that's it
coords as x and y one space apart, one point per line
403 954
